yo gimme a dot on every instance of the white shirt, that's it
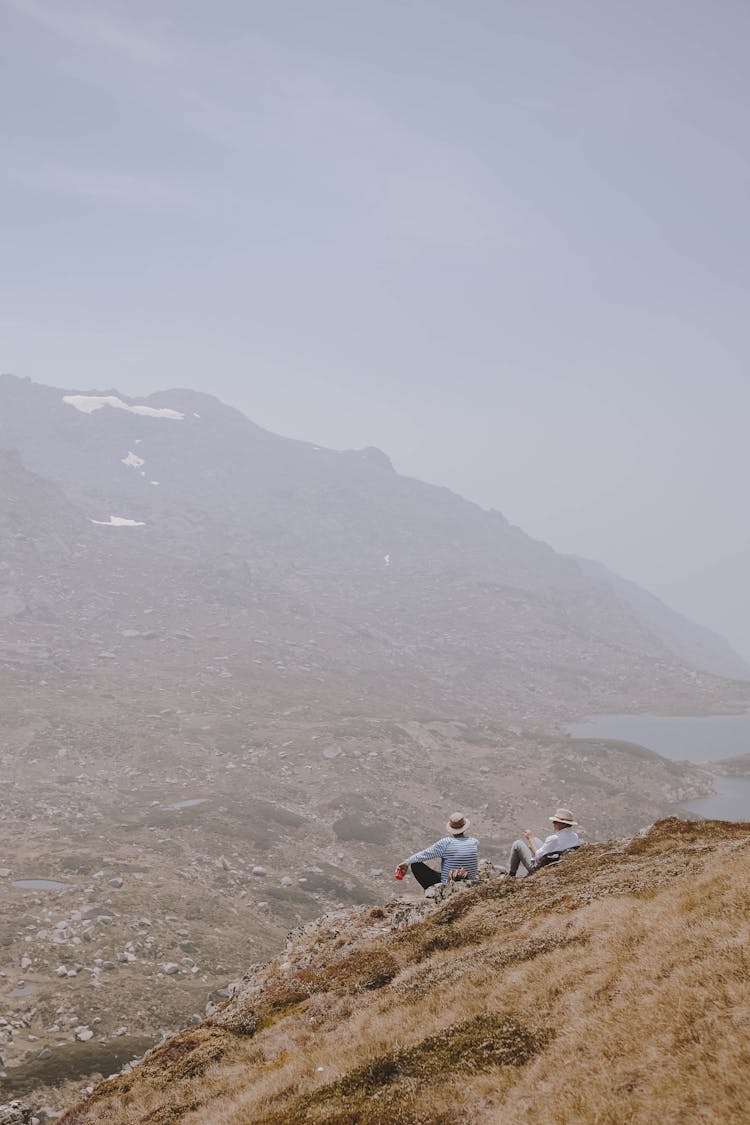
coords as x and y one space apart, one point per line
558 842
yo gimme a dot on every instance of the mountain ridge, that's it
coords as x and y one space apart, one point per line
213 475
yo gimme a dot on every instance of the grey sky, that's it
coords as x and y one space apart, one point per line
507 241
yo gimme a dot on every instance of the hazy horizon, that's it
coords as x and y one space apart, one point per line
506 244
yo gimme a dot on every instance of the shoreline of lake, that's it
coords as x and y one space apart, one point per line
712 741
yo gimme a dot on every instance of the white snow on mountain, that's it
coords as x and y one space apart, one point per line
87 404
119 521
133 461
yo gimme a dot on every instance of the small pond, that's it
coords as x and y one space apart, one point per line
26 989
191 804
41 885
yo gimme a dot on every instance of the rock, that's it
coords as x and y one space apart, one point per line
116 882
286 881
15 1113
26 962
83 1034
170 968
260 872
121 1031
4 872
224 863
332 751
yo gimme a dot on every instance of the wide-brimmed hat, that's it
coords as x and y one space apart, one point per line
564 816
458 824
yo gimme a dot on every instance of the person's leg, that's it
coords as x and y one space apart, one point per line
520 854
424 875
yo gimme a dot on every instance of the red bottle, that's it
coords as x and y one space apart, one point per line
399 873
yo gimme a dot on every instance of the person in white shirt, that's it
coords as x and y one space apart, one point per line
531 853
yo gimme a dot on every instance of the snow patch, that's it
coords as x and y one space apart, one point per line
119 521
87 404
133 461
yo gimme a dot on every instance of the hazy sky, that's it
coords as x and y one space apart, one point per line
507 241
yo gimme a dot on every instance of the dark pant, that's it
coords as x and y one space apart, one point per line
424 875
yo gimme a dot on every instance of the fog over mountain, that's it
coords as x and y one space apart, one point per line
180 471
512 250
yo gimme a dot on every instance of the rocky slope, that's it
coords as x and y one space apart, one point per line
608 989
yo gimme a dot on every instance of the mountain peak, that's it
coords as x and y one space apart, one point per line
374 456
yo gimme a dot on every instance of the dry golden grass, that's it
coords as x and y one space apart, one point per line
613 989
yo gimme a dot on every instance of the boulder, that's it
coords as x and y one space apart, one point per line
15 1113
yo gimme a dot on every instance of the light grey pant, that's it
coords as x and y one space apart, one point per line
521 855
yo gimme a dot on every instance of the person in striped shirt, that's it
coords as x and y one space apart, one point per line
458 855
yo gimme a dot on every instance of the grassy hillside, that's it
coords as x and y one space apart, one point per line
611 989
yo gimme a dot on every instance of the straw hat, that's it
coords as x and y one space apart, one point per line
458 824
564 816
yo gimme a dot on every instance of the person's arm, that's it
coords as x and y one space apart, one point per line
532 841
551 844
436 851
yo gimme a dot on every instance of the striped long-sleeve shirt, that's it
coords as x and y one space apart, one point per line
452 851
